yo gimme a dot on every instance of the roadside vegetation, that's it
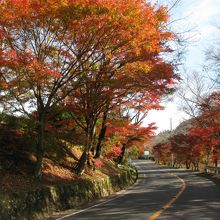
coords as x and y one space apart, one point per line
77 79
195 143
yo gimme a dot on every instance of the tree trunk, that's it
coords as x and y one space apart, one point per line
195 166
101 136
83 159
82 162
174 163
121 156
216 165
216 162
188 163
40 146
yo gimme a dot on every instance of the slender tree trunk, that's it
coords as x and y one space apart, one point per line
93 141
207 161
188 163
216 165
205 167
40 146
216 162
101 136
99 144
174 163
121 156
82 162
83 159
195 166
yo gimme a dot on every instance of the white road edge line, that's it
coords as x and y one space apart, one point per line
83 210
121 194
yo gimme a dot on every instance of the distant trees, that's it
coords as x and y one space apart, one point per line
196 142
207 128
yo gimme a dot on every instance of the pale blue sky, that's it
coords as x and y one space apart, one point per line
202 16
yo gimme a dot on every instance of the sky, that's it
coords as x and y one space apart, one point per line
201 17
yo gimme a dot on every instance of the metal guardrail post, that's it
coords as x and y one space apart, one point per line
215 169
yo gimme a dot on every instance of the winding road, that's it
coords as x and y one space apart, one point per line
159 193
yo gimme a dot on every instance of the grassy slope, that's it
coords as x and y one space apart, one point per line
16 171
17 157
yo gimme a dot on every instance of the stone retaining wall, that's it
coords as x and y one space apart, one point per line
39 203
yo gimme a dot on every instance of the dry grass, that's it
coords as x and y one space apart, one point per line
53 173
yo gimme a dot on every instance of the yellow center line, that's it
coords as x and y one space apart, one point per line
168 204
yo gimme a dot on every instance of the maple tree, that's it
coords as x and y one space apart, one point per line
184 150
95 53
198 144
129 68
123 133
207 128
42 50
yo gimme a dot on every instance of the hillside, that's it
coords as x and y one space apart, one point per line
17 159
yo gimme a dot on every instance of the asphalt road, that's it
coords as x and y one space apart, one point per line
193 197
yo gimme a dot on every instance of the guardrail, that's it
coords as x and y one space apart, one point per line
215 170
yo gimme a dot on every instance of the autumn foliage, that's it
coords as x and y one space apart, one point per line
90 60
199 145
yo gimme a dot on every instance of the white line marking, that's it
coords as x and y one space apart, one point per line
120 194
83 210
